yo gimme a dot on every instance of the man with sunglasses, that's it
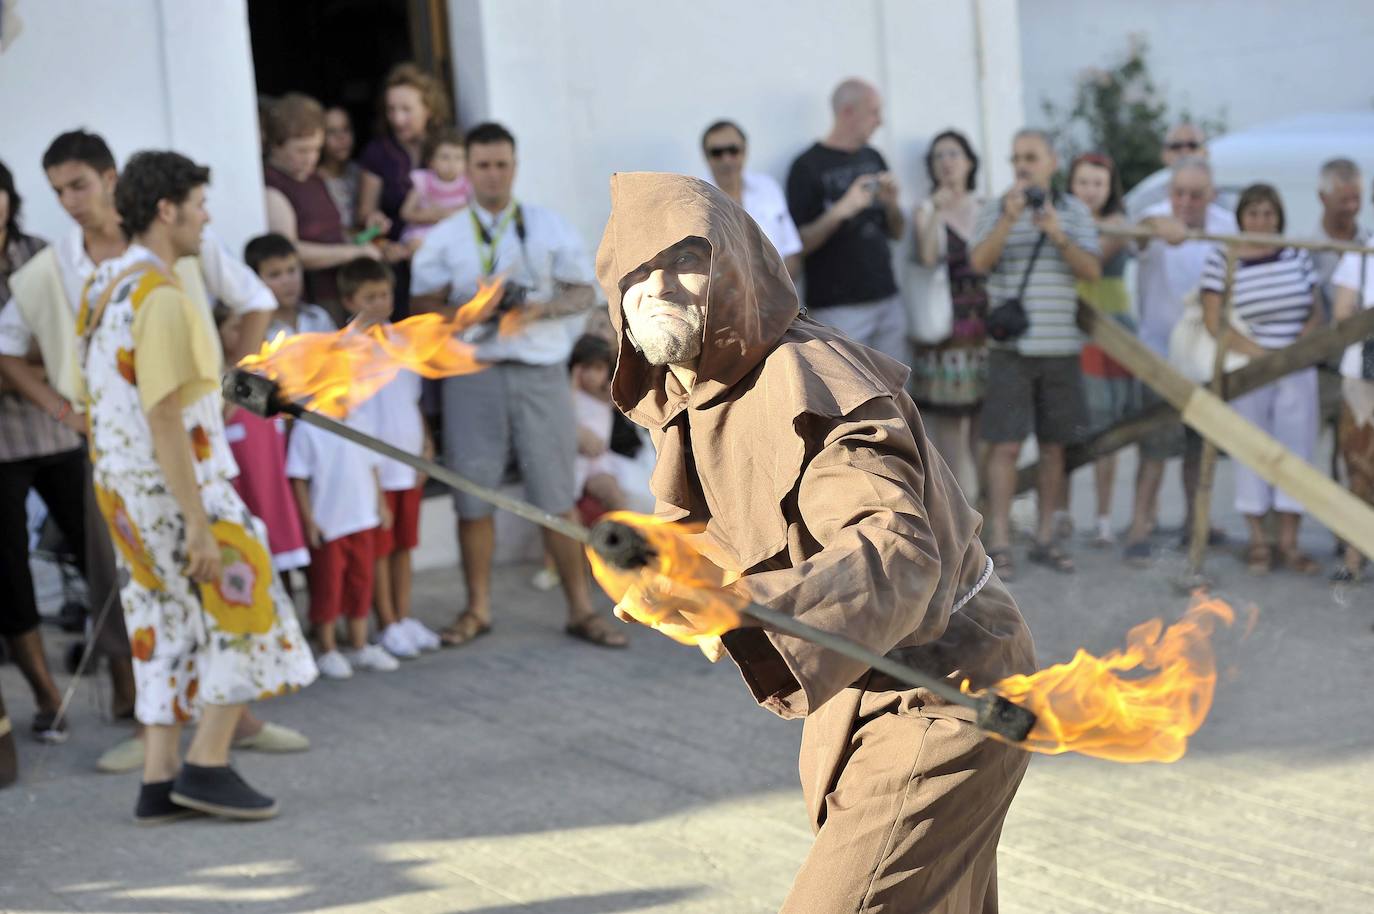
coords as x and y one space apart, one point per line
726 150
1184 140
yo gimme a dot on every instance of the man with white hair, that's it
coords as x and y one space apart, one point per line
1170 268
844 202
1339 191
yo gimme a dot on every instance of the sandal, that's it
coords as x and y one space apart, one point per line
1051 556
1003 563
1298 562
1137 555
1259 558
464 629
594 630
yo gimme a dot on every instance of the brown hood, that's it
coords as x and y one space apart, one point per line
750 300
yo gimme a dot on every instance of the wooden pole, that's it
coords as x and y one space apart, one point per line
1306 352
1207 470
1342 513
1243 238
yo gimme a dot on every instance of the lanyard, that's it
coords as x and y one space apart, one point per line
488 241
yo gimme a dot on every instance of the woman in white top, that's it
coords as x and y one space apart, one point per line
1272 295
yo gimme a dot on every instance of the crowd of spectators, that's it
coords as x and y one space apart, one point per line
427 213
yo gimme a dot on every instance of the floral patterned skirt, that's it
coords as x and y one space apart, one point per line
233 641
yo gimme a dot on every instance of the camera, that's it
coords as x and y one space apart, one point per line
513 295
1035 197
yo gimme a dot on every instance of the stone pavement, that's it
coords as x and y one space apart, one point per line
529 773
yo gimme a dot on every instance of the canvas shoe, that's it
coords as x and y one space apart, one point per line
156 806
374 659
421 634
398 642
334 665
219 791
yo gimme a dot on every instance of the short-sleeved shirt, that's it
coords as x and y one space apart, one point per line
762 198
342 477
1051 299
309 319
1356 272
25 429
551 254
854 265
1167 273
1271 295
394 413
1325 263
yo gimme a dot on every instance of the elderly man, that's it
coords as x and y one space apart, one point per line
844 201
835 509
1184 140
1340 191
726 151
1170 267
1034 245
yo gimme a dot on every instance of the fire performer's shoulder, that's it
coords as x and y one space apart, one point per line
823 374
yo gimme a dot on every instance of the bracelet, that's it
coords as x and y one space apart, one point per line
64 411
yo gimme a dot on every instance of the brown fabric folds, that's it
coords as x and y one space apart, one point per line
806 461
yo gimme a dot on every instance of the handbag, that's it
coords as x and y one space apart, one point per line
929 305
1193 349
1009 320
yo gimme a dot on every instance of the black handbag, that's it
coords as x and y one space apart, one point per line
1009 320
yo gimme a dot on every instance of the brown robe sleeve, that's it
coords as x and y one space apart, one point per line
872 578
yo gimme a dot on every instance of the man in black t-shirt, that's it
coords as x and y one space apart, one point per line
844 201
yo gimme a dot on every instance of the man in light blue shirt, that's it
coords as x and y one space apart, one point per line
521 405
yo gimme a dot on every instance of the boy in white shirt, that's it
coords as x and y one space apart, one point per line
367 287
330 477
275 259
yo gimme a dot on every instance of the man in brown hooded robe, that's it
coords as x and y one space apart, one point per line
807 463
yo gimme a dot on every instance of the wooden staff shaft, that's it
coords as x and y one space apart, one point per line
1342 513
1255 239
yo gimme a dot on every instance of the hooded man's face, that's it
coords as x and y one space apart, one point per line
664 303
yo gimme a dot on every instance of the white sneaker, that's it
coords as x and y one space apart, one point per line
334 665
1105 535
544 579
374 659
420 634
398 642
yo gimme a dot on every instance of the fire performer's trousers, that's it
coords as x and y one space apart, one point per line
913 810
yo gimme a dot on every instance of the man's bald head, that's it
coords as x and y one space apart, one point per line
1185 139
858 110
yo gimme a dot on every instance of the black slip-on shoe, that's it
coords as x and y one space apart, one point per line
220 791
156 806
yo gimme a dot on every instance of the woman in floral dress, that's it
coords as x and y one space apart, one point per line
209 626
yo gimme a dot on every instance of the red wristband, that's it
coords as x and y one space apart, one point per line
64 411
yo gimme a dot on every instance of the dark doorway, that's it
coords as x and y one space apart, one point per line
339 51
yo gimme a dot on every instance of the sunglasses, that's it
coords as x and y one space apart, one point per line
1181 145
720 152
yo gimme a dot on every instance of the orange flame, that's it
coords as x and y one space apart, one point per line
681 594
334 372
1088 706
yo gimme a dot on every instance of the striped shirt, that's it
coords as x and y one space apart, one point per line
1051 299
25 430
1272 295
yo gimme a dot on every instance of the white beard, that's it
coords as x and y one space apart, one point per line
663 341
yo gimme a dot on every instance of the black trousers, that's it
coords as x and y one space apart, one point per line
60 479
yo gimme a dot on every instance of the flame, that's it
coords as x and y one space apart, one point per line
334 372
1088 706
683 594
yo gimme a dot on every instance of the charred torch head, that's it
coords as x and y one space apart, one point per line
254 393
1004 718
620 545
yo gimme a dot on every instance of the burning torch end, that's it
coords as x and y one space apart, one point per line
620 545
1004 718
255 393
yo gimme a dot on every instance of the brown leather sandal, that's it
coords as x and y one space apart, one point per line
464 629
594 630
1298 562
1259 558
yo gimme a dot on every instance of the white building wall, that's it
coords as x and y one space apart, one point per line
624 85
1256 60
144 74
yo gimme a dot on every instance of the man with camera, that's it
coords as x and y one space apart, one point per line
1034 245
521 404
844 201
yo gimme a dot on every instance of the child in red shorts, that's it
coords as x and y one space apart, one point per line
394 413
